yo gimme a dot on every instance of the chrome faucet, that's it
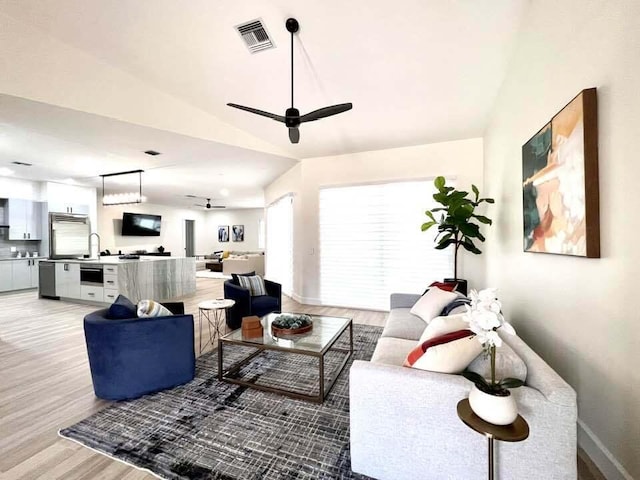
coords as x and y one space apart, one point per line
91 235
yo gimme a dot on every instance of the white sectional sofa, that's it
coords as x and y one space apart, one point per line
404 423
244 263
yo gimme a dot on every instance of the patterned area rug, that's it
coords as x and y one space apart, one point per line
212 430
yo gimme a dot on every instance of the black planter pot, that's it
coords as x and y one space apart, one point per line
462 284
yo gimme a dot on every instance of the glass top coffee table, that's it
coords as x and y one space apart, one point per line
303 366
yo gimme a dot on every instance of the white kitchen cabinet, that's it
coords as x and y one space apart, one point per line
20 274
68 280
25 219
6 282
111 281
60 206
35 272
91 293
34 220
17 215
111 270
110 295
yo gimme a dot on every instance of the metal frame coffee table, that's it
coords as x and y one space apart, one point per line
317 343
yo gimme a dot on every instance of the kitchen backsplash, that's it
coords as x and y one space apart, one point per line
21 246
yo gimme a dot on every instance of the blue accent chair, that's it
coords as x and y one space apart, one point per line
246 305
135 356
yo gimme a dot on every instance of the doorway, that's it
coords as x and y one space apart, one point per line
189 238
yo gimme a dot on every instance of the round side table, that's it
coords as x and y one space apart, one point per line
212 312
516 432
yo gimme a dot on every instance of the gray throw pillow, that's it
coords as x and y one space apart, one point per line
508 364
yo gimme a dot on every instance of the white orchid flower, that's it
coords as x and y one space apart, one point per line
484 316
494 339
488 295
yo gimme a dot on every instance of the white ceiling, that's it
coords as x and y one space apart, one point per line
66 144
417 71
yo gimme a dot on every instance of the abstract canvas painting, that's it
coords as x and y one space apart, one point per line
560 182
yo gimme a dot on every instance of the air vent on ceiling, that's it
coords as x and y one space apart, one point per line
255 36
24 164
153 153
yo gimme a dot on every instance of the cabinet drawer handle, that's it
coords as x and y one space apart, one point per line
110 281
91 294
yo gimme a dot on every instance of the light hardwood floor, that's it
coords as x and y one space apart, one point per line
45 385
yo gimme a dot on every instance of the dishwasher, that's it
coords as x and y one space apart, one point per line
47 279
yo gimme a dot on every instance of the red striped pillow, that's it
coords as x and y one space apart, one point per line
448 353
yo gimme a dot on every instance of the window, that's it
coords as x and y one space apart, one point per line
279 251
371 244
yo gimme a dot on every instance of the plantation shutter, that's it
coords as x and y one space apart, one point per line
371 244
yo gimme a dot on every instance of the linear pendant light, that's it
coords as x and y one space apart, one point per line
110 199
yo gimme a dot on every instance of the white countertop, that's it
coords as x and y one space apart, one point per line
22 258
115 260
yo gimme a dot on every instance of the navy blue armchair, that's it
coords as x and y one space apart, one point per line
135 356
246 305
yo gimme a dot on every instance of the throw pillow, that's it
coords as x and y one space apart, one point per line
457 306
121 309
508 364
449 287
431 303
234 276
151 308
448 353
255 285
442 325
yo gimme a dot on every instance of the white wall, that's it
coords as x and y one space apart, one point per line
579 314
249 217
459 159
171 230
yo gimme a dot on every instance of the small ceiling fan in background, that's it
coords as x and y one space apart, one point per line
207 205
292 118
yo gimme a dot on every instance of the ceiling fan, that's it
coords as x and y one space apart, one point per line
206 205
292 118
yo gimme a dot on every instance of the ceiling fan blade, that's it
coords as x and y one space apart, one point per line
198 205
294 135
326 112
218 206
272 116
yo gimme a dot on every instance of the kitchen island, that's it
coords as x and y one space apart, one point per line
102 280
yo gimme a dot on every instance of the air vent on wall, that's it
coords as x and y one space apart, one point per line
255 36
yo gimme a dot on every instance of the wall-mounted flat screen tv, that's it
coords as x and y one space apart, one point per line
140 225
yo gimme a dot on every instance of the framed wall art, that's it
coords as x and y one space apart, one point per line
560 182
223 233
237 233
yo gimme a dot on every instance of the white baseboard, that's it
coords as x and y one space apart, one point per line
610 467
305 300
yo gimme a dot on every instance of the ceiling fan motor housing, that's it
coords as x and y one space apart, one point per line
292 117
292 25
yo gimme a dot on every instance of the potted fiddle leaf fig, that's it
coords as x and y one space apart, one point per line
457 221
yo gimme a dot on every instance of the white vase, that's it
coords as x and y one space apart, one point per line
492 408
